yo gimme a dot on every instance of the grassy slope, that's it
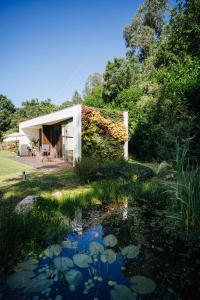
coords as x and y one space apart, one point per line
10 169
41 182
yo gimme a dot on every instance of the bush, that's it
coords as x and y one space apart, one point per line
29 232
86 168
89 169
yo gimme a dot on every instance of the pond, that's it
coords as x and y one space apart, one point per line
111 252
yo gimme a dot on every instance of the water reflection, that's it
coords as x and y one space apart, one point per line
100 279
77 223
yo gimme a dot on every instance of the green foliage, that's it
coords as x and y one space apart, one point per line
86 168
118 75
95 99
184 28
30 231
31 109
142 33
180 83
185 191
93 83
76 98
89 169
6 113
103 134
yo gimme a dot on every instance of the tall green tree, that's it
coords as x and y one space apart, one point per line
7 110
145 28
93 82
184 29
118 75
76 98
31 109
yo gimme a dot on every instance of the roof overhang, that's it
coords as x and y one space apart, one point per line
51 118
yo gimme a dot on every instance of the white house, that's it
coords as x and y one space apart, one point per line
60 130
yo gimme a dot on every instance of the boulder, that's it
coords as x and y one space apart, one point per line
25 204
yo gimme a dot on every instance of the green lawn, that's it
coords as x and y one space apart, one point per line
40 182
10 169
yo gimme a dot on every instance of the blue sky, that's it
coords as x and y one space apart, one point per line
49 47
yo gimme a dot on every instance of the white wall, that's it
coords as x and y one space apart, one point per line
25 141
28 128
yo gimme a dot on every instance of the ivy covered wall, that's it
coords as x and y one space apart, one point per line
103 133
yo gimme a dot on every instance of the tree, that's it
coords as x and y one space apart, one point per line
184 29
145 28
7 109
76 98
93 82
118 75
65 104
32 109
95 99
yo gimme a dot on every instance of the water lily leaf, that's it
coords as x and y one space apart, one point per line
142 284
96 248
131 251
53 250
73 277
82 260
20 279
122 292
70 244
112 283
108 256
30 264
37 286
110 240
63 263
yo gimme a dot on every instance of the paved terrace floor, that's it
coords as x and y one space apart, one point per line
45 164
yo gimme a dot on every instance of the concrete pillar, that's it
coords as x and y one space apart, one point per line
77 128
125 117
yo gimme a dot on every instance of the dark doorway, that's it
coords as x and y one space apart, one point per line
51 135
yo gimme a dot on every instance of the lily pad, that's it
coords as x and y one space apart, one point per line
96 248
131 251
108 256
20 279
73 278
82 260
52 250
70 244
37 286
30 264
63 263
142 284
110 240
122 292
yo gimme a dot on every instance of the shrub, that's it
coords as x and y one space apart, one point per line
86 168
29 232
89 169
185 191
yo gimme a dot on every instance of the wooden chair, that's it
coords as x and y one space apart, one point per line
44 151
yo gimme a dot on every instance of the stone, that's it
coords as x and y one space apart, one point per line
25 204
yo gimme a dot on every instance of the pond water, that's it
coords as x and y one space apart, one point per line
113 252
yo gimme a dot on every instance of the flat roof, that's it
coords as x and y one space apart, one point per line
51 118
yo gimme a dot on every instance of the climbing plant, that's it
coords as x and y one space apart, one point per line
103 133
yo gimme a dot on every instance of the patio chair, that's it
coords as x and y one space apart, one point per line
44 151
52 154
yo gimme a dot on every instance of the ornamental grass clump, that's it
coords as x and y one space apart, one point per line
185 191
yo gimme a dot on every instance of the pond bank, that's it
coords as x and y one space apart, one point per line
169 261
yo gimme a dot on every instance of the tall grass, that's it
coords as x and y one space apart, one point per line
186 189
29 232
